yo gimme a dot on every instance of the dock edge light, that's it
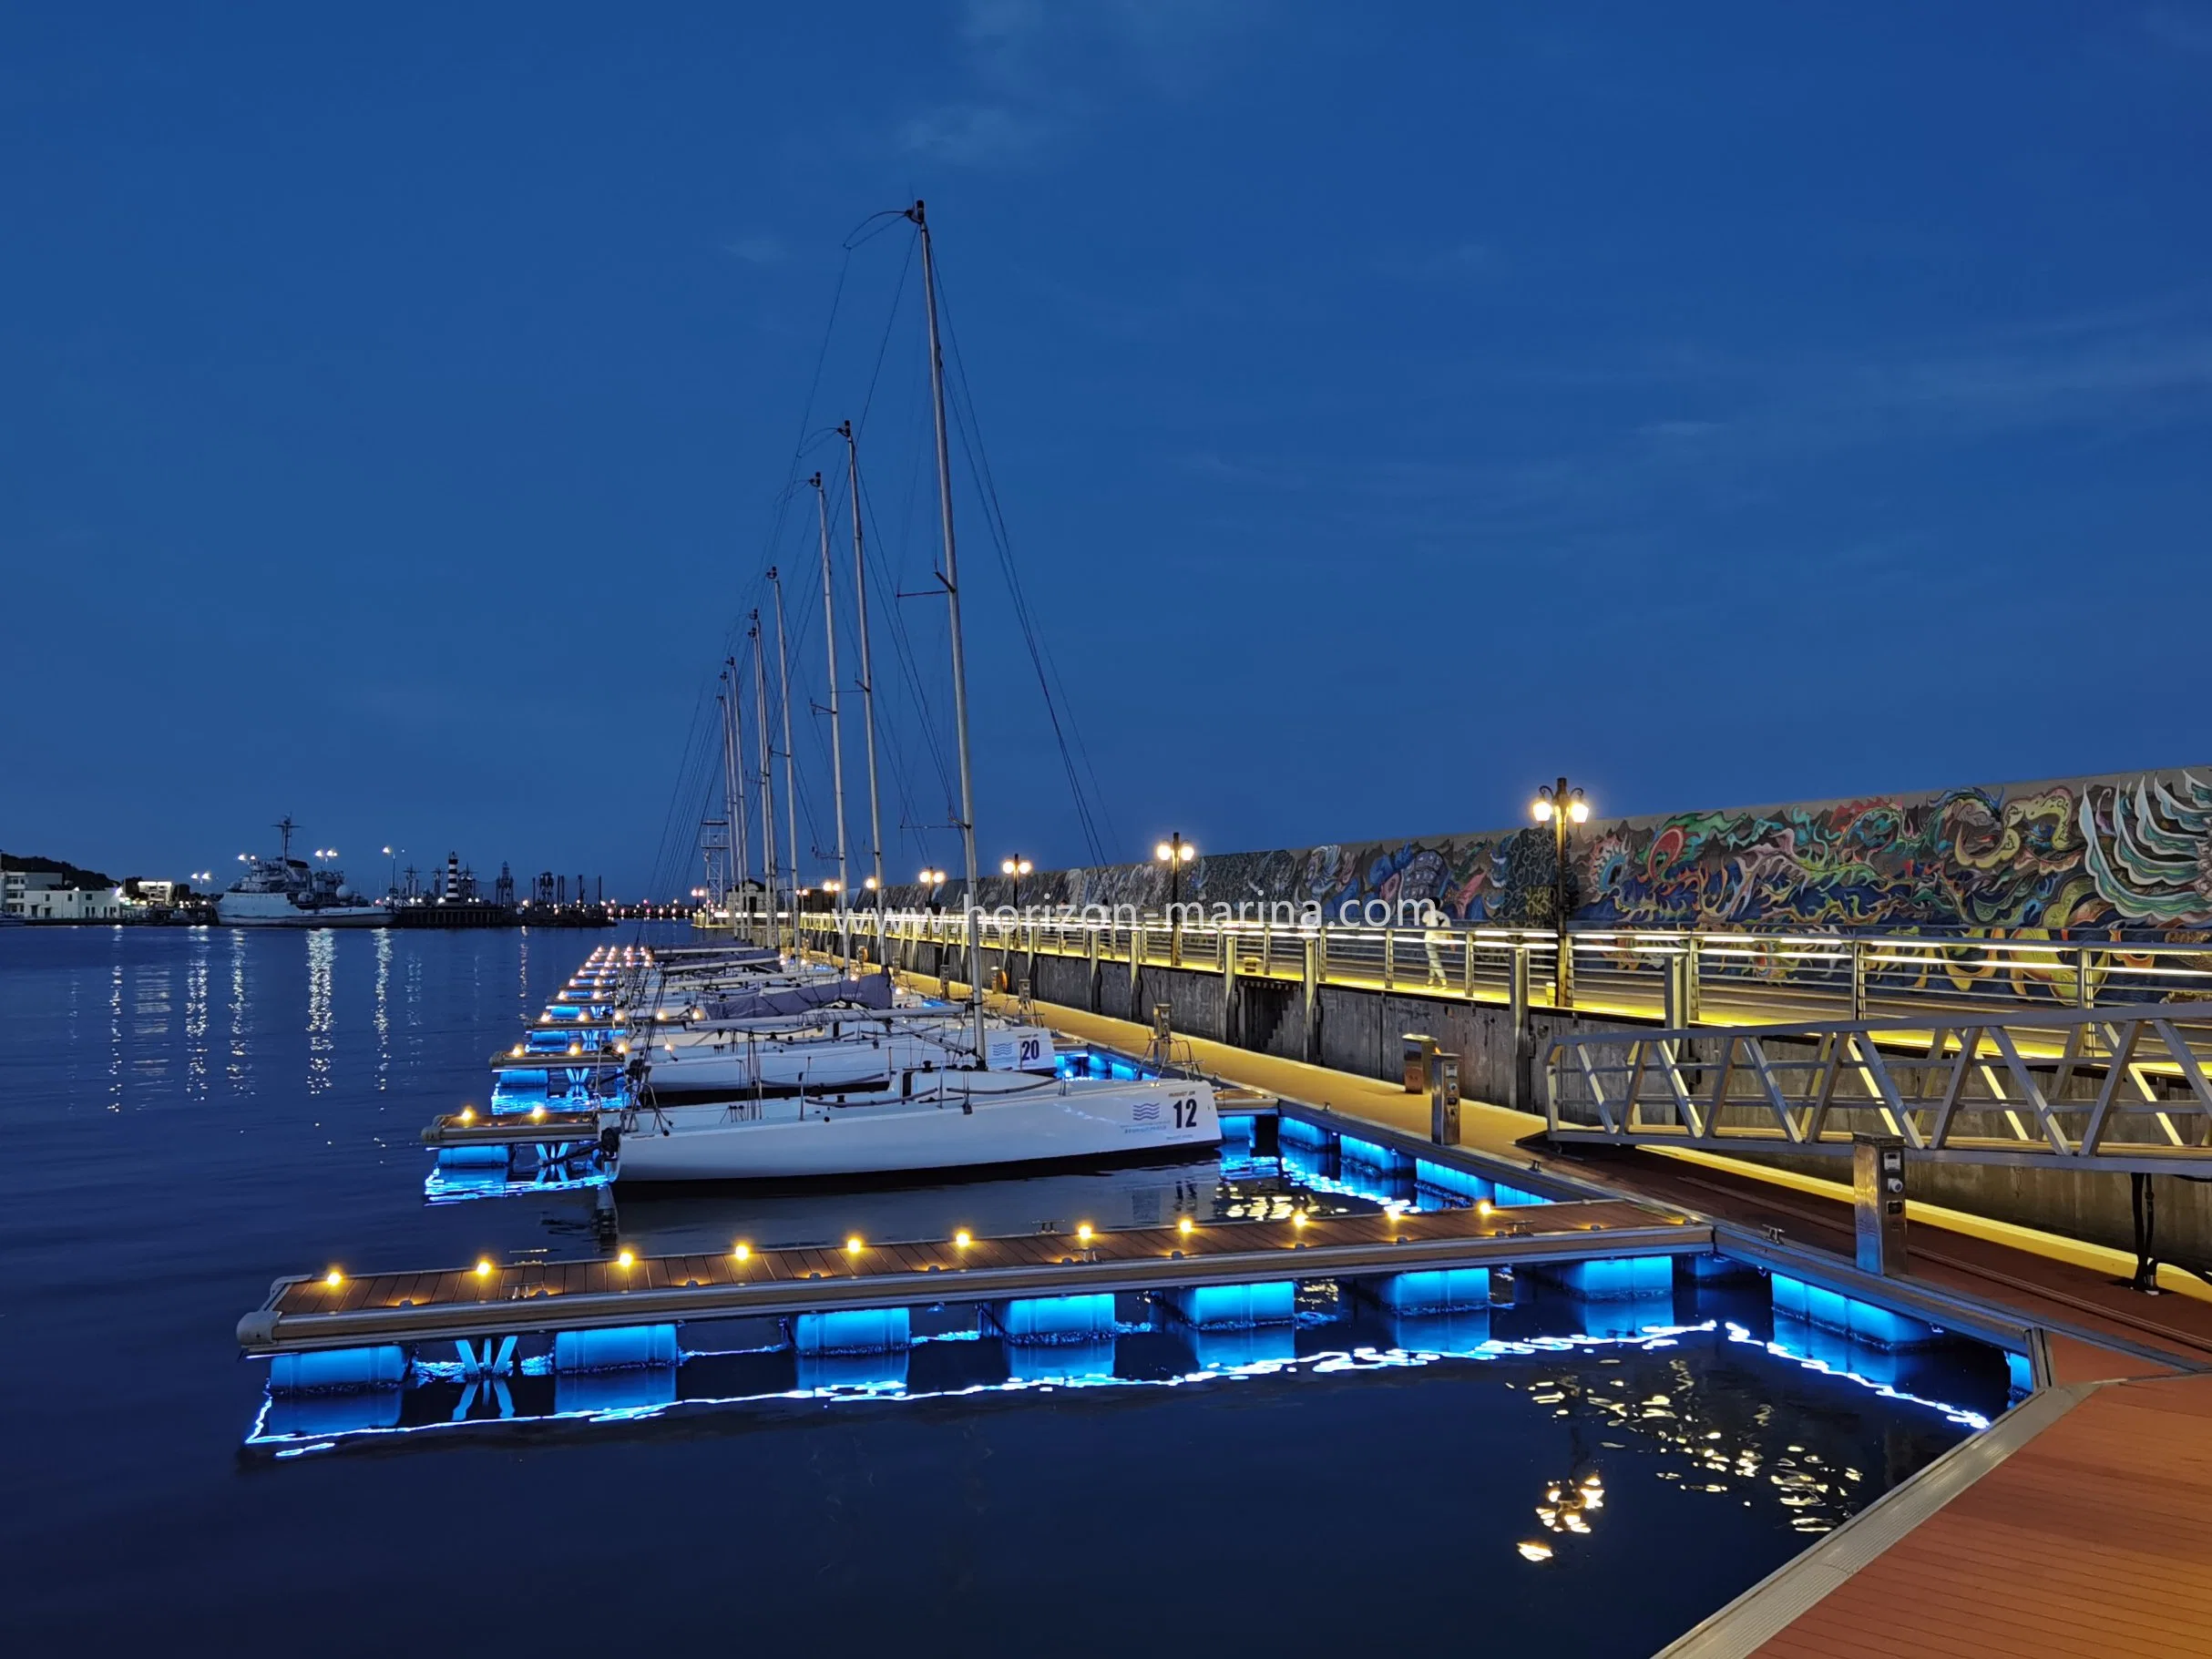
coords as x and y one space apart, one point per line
853 1246
627 1259
1186 1226
483 1268
963 1238
333 1278
743 1251
1083 1232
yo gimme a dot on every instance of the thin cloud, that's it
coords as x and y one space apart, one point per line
978 135
2183 31
760 248
1455 262
1040 73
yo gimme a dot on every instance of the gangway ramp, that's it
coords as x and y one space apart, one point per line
2121 1090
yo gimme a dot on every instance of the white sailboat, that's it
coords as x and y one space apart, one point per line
978 1110
934 1120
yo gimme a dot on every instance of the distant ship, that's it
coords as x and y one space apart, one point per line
288 892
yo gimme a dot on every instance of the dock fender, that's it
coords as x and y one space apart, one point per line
610 1141
257 1328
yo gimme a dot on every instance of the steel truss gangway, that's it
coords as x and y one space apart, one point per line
2121 1090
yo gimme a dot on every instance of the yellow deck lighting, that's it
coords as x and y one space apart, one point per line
743 1251
469 1114
1083 1233
853 1246
333 1278
1186 1226
483 1268
963 1238
626 1259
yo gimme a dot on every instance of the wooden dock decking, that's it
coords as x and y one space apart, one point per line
2079 1528
308 1313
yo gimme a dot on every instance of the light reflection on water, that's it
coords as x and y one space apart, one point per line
382 1018
148 1223
239 1068
321 957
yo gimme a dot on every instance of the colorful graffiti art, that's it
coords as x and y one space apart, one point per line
2127 852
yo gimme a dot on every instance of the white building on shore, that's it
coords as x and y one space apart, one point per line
42 896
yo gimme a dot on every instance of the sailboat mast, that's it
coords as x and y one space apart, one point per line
760 708
740 842
791 794
719 883
867 679
952 603
829 634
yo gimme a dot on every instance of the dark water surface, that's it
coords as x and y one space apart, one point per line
189 1113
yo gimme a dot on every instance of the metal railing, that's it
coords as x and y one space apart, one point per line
1733 977
2121 1090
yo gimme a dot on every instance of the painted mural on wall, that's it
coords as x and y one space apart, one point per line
2131 852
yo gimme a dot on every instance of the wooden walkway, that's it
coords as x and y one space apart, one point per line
2080 1527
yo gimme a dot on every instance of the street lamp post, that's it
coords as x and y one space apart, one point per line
1016 867
1174 853
1558 805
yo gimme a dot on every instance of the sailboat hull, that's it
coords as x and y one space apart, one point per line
1043 1123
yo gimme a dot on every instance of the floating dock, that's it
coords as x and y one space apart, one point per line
309 1314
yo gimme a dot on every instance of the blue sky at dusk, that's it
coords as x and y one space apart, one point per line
1389 408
